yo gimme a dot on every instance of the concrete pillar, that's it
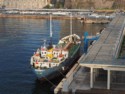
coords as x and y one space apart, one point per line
91 77
108 79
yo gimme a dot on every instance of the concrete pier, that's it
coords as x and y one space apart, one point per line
96 20
100 71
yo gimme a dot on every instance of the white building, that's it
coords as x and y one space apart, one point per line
24 4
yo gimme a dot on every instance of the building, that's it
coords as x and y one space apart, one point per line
24 4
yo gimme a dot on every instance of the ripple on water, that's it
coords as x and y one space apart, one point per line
19 38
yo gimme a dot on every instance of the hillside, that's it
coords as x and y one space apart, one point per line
97 4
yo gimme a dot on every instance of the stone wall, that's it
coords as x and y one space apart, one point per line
119 4
24 4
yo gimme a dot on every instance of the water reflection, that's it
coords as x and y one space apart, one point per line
80 28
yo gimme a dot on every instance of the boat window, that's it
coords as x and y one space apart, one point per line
45 60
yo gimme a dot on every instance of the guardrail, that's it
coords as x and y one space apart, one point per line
66 81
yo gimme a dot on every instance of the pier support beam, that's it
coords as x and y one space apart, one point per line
108 79
91 77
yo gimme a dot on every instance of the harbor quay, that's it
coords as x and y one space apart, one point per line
43 13
60 17
101 70
84 15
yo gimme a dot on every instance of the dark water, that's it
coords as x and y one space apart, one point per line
19 38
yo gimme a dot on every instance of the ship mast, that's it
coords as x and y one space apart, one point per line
71 24
51 33
71 27
44 43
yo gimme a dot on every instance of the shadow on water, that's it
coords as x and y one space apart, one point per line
46 87
42 88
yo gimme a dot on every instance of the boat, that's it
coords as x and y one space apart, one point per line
51 61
